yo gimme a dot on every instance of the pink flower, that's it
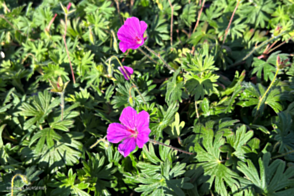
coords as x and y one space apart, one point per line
68 6
133 131
131 34
127 73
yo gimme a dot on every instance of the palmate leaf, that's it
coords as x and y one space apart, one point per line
94 78
199 76
122 97
98 174
253 93
236 147
189 14
59 149
159 30
238 142
53 71
163 177
165 118
271 179
41 107
83 61
68 185
257 11
263 67
267 68
284 134
99 24
174 89
209 157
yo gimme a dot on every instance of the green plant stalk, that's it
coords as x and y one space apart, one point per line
281 155
101 139
23 177
62 104
128 76
228 28
158 55
67 52
151 59
256 48
267 90
177 149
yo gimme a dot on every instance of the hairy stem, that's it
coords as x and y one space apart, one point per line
67 52
128 76
148 56
174 148
198 19
158 55
264 95
227 30
62 104
196 109
118 11
96 143
23 177
281 155
171 22
256 48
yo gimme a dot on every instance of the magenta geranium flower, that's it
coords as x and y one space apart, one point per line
127 72
133 130
131 34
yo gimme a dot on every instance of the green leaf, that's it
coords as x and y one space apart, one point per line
66 184
271 180
200 77
210 161
41 107
166 118
174 89
264 68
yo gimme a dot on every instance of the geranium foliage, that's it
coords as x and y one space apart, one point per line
147 97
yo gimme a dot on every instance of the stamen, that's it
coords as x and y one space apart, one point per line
138 40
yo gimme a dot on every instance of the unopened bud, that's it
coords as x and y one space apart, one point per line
68 6
131 101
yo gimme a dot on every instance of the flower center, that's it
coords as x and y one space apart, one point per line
138 40
134 132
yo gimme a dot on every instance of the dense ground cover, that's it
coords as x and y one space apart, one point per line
147 97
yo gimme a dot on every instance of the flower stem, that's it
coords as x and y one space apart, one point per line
23 177
227 30
67 52
198 19
263 96
127 76
177 149
281 155
101 139
256 48
62 104
158 55
151 59
171 22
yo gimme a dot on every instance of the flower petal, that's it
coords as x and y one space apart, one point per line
143 27
125 35
117 132
133 25
142 128
128 117
143 137
142 120
127 72
127 146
